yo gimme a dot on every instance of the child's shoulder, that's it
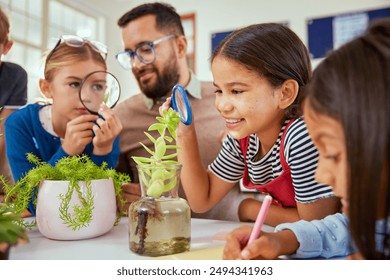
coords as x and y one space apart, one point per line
11 68
297 131
28 112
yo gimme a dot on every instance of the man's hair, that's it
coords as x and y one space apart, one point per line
167 20
4 27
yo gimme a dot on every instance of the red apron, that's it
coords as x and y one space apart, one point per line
281 188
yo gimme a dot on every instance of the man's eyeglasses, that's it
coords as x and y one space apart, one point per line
145 53
77 42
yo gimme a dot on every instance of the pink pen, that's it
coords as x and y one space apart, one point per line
260 218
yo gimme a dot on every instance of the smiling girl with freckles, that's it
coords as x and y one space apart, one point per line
258 73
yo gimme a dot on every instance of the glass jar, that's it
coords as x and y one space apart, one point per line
160 221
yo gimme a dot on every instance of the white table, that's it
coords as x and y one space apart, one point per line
114 245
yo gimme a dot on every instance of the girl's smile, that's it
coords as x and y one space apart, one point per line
233 123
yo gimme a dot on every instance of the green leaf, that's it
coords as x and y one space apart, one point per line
156 126
168 186
151 138
161 179
168 139
147 149
160 148
169 156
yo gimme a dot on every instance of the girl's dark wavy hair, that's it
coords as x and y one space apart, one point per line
352 86
273 51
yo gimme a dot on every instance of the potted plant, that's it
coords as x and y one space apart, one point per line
75 199
159 222
12 232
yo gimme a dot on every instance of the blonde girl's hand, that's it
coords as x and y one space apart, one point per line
78 134
106 130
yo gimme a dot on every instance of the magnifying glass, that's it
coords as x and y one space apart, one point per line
181 104
99 87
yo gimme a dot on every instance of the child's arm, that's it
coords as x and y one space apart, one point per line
111 158
203 189
248 209
329 237
326 238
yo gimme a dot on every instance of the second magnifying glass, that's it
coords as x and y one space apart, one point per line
181 104
99 87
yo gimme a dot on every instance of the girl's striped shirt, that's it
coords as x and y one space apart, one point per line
300 154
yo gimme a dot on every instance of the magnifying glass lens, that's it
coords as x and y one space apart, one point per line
97 88
181 104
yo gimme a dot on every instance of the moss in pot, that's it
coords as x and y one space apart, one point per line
75 206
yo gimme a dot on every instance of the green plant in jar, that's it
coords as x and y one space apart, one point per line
160 221
160 180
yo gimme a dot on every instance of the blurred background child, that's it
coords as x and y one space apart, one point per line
13 90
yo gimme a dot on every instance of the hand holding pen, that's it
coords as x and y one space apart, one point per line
245 242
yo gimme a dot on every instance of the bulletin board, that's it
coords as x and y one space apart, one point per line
216 38
328 33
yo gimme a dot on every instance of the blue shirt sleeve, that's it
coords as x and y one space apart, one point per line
325 238
111 159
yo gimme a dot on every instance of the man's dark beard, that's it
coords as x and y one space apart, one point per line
166 80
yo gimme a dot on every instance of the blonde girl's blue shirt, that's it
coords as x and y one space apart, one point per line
24 134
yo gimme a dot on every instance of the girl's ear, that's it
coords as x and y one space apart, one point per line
7 47
289 92
181 43
45 88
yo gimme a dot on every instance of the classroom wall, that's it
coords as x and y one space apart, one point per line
225 15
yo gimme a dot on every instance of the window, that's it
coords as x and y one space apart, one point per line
188 22
36 26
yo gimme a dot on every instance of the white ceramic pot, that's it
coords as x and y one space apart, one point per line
48 214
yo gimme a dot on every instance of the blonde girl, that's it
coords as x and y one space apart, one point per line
64 127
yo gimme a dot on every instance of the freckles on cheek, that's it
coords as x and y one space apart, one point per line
252 107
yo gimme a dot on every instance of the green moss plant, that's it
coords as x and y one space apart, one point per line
160 179
72 169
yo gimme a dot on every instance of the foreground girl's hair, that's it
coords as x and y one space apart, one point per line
353 86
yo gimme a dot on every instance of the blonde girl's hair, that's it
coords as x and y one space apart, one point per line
65 55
